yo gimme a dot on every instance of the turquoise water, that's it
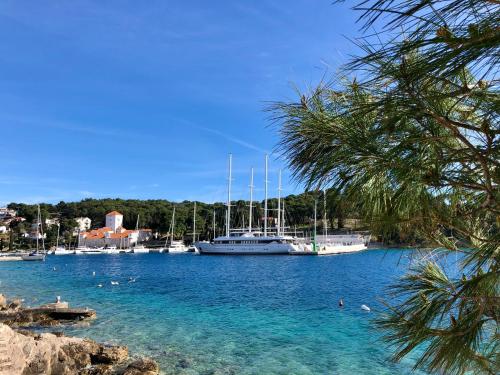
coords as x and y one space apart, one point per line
224 314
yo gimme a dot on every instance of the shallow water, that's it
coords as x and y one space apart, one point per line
227 314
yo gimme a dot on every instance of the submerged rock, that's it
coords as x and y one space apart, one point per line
142 366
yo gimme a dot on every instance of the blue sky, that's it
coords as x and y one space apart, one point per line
145 99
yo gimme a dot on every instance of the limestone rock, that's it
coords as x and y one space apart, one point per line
3 302
110 354
142 366
31 354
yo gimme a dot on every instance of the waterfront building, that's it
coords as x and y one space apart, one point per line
113 234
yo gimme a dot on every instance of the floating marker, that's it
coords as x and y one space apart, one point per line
93 273
99 285
114 283
364 307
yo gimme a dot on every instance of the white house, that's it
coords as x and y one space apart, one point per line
114 220
84 224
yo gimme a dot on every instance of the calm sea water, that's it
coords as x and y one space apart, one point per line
227 314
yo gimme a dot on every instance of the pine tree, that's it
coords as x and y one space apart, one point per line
415 141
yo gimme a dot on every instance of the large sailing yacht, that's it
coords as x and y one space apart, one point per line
250 241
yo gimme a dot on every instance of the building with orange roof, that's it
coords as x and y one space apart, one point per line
113 234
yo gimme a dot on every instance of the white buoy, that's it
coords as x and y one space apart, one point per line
99 285
114 282
364 307
93 273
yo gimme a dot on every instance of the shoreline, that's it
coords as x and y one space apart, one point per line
25 351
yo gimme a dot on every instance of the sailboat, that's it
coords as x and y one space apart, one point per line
60 250
139 249
36 255
335 244
175 246
250 241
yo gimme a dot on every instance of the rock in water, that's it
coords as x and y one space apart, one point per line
142 366
3 302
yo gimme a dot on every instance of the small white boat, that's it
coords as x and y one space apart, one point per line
62 251
82 250
140 249
176 247
111 250
33 256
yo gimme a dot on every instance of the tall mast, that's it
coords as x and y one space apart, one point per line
194 223
137 223
228 214
37 226
325 223
213 223
283 219
57 239
265 198
279 203
251 203
315 223
173 226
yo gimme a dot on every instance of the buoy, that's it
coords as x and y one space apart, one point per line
114 282
131 280
99 285
341 302
54 268
93 273
364 307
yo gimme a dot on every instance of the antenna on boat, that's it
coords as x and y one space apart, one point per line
251 203
265 198
228 217
279 203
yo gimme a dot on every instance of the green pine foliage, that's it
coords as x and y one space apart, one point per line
413 142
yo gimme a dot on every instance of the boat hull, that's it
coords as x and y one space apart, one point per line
33 257
268 249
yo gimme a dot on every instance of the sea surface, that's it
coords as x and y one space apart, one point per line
227 314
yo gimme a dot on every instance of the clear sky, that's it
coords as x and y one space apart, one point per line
145 99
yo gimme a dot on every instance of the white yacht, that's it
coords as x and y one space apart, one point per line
251 241
84 250
340 244
139 249
174 246
111 250
62 251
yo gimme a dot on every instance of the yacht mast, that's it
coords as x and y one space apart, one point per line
194 223
283 219
213 223
37 226
137 223
228 215
57 239
173 226
325 223
251 204
315 222
279 203
265 198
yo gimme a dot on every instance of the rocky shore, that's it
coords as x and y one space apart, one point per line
26 352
